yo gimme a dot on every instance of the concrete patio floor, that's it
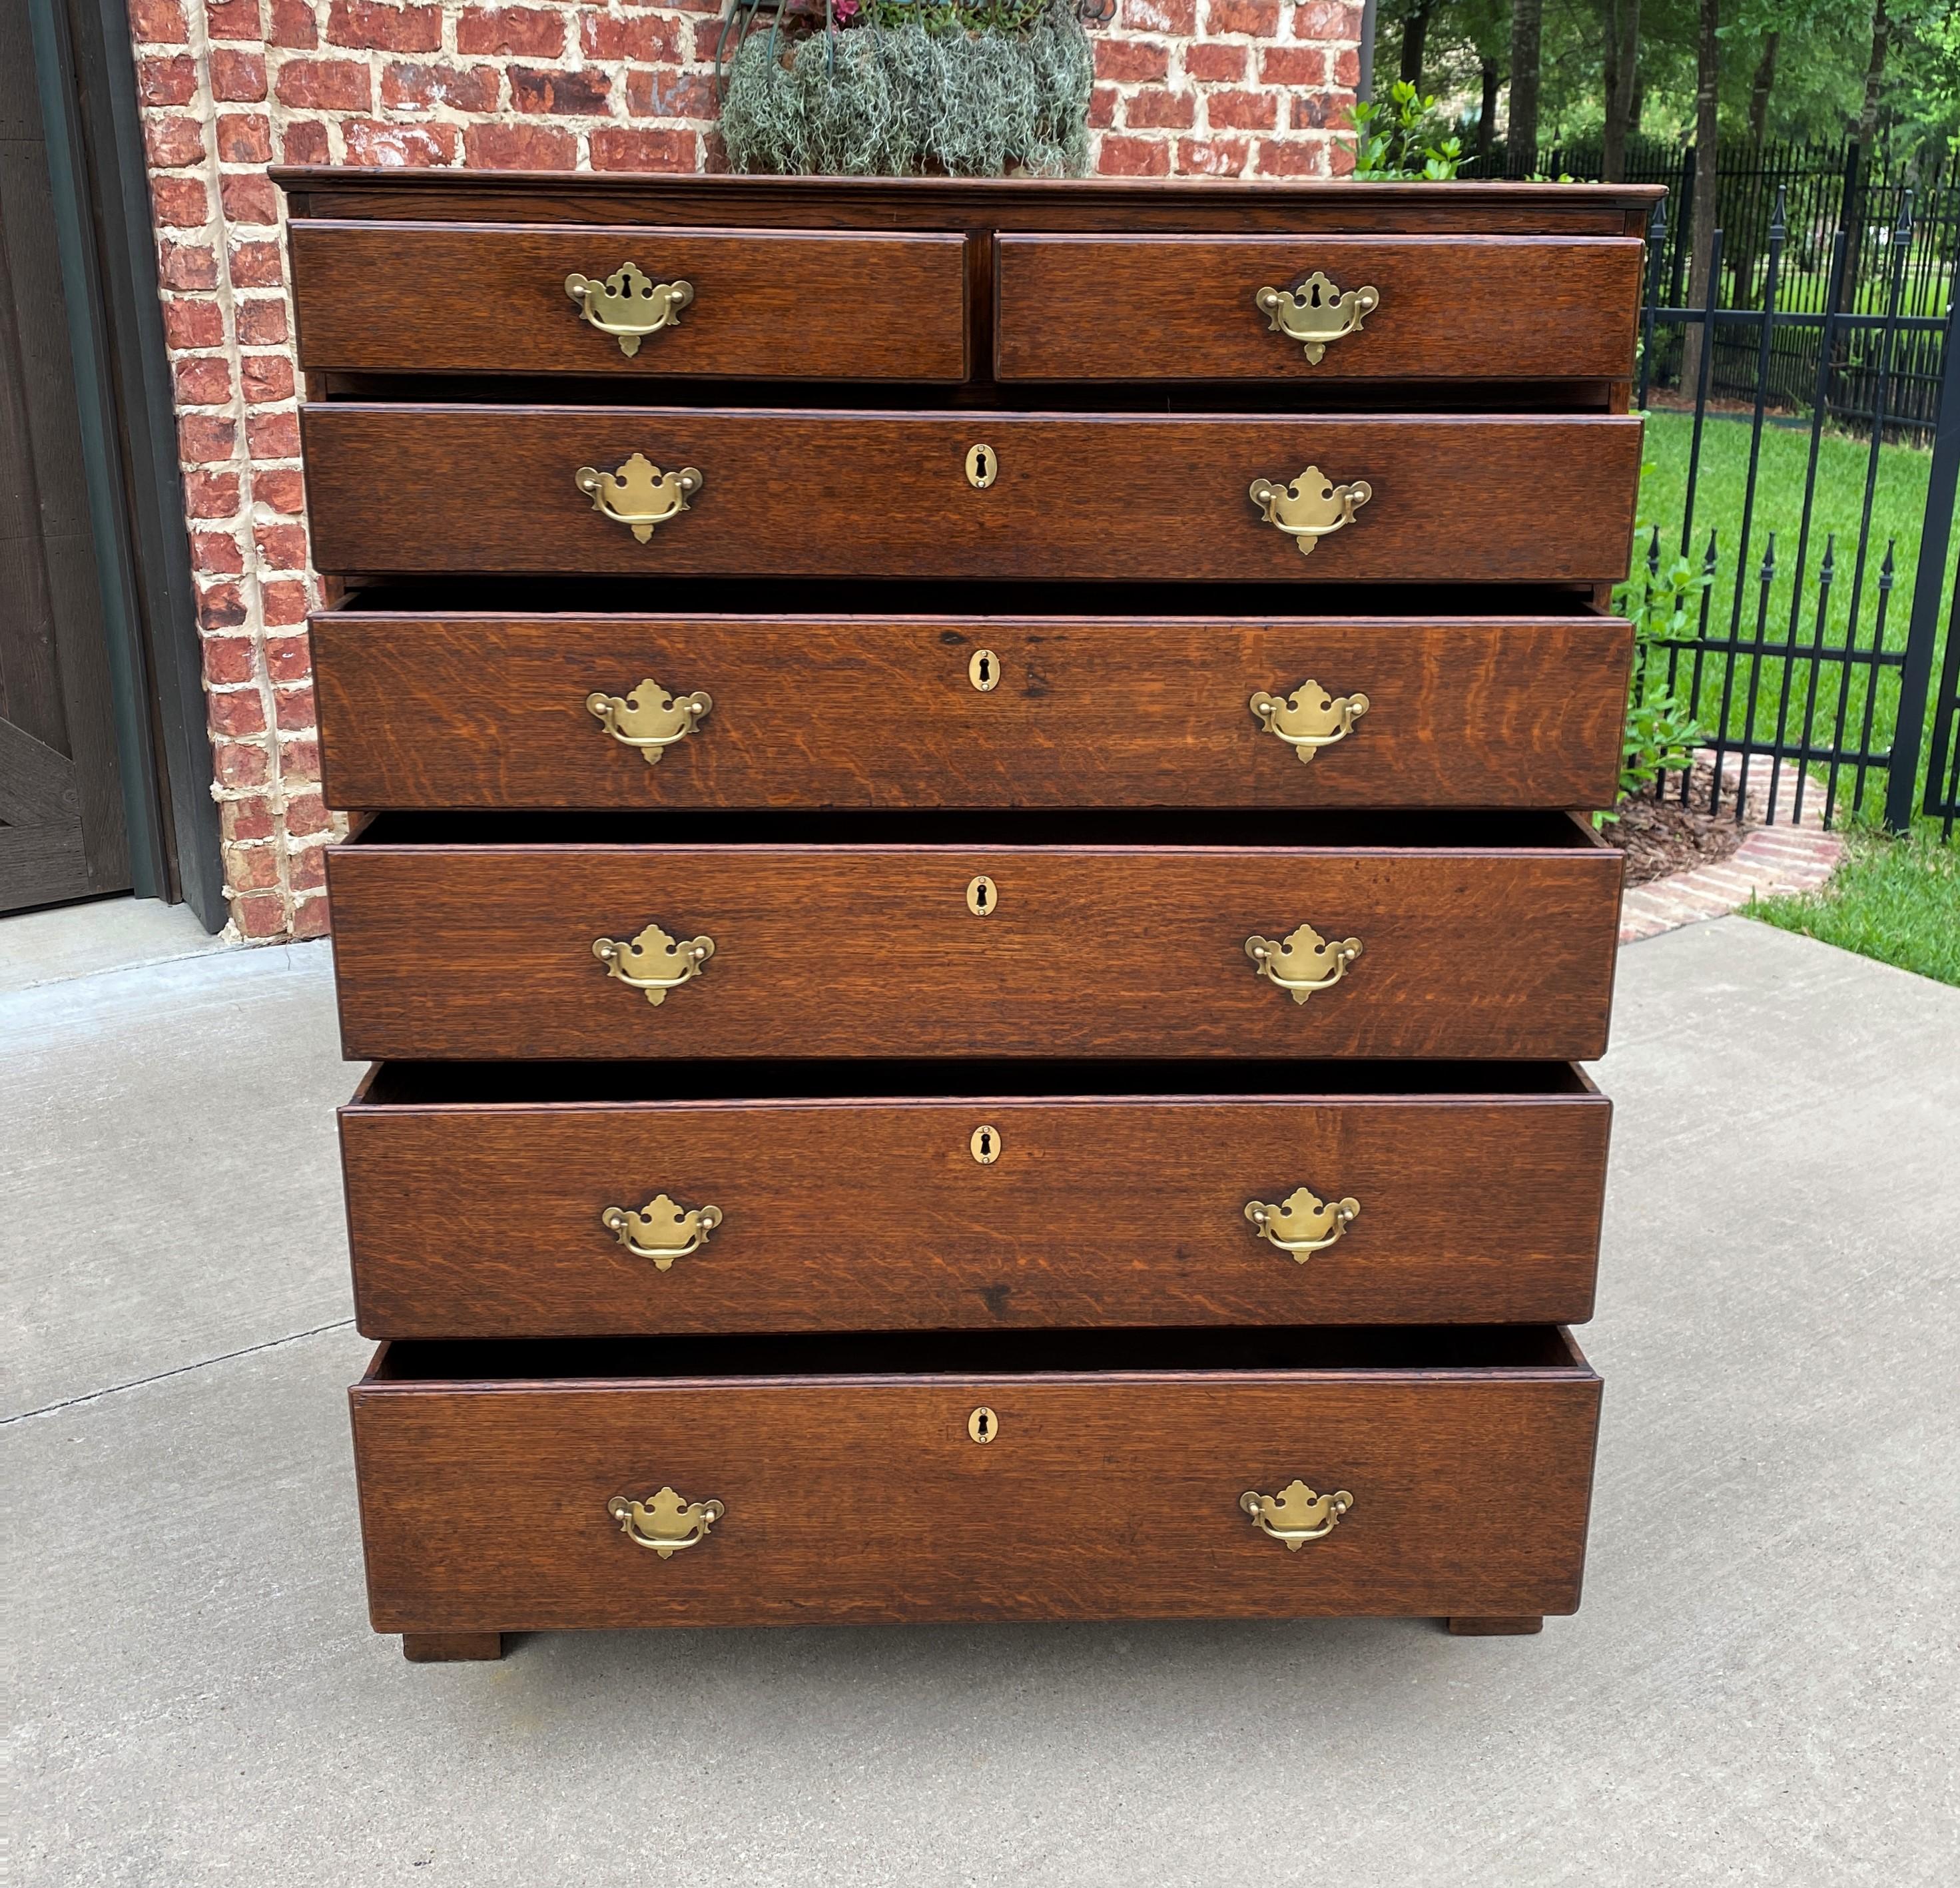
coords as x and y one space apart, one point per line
1762 1686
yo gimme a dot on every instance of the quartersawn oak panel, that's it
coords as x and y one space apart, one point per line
474 951
1135 307
1290 207
437 297
437 711
475 1220
1461 498
862 1498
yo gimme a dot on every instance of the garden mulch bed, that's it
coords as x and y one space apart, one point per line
1661 837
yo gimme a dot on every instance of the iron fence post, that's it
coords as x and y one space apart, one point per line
1935 537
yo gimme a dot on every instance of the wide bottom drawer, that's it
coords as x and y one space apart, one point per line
1174 1475
581 1200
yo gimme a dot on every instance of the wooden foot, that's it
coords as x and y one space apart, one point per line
1473 1628
440 1648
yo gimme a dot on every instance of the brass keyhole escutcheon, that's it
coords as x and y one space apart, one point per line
984 671
983 1425
983 467
982 895
985 1144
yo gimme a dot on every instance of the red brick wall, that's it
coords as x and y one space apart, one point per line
1200 87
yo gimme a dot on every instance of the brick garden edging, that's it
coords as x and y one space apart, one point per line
1795 854
1183 87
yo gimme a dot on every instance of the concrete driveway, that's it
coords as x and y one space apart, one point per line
1761 1687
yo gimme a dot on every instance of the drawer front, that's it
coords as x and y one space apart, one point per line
436 713
853 1499
400 489
491 951
462 298
1250 308
504 1221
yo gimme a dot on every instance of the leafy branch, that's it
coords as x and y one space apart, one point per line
1403 140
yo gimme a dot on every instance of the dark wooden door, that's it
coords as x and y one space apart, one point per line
62 830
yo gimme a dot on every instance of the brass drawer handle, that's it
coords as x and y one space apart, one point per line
1311 507
649 718
639 495
1302 1223
664 1523
1308 718
1296 1515
628 304
653 962
1305 962
662 1229
1318 313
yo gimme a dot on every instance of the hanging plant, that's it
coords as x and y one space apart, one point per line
902 88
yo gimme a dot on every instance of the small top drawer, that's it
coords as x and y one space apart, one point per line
1135 307
515 298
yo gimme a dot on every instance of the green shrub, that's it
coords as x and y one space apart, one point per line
898 101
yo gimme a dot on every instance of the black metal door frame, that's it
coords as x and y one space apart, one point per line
86 78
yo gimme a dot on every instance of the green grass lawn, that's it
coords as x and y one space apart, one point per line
1898 507
1898 900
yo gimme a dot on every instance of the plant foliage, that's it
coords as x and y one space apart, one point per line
1662 733
1403 139
971 88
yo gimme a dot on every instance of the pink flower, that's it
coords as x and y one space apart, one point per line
844 11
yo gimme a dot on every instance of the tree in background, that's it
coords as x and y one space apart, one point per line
1527 48
1621 85
1707 178
1799 70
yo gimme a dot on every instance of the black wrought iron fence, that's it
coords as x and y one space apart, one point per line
1817 582
1875 200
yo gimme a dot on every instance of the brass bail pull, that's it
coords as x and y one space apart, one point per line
1317 313
1310 507
1303 962
639 495
1296 1515
628 304
662 1229
654 962
649 719
1302 1224
1309 718
663 1521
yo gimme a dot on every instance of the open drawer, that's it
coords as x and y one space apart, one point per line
1194 1475
463 936
472 698
489 1200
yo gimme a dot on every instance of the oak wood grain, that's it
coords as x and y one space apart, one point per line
1286 206
806 305
400 489
473 1219
457 711
1129 307
468 951
1111 1497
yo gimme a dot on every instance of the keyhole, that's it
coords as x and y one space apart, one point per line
983 1425
982 896
984 1144
984 671
981 467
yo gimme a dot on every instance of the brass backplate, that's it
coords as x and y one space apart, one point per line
982 895
984 1143
984 671
983 467
983 1425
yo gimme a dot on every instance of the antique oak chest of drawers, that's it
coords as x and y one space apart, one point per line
972 898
